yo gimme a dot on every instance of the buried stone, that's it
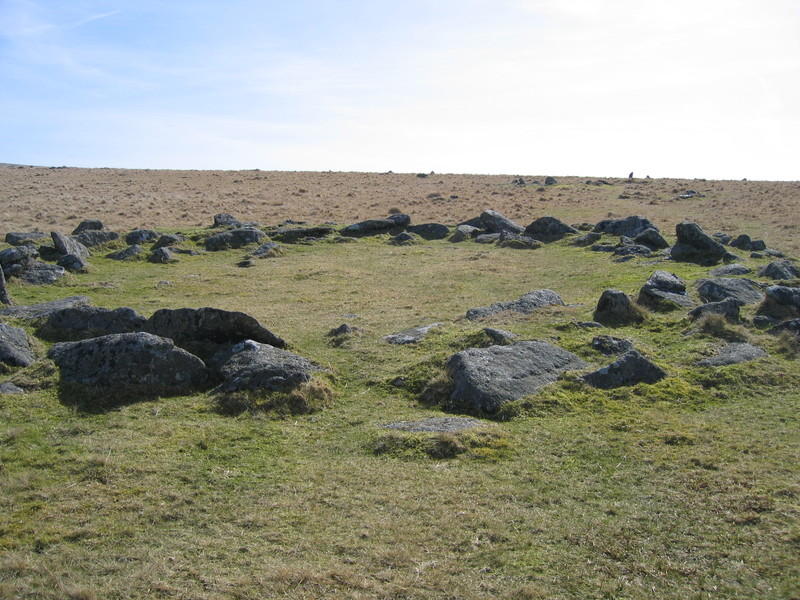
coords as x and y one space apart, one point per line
631 368
44 309
743 290
728 308
435 425
733 354
411 336
525 305
549 229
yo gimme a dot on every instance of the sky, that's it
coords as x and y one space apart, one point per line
667 88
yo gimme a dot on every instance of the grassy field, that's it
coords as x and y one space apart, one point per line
688 488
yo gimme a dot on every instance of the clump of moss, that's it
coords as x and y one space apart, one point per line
307 398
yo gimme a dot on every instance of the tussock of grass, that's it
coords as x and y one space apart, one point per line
718 326
480 444
788 344
307 398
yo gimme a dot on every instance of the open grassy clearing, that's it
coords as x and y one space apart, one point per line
687 488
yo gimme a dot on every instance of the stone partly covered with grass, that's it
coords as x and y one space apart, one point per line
781 302
694 245
629 226
430 231
780 269
631 368
235 238
123 367
664 291
84 322
411 336
126 253
525 305
615 308
731 270
728 308
92 237
732 354
15 349
486 378
291 234
391 224
719 288
44 309
608 345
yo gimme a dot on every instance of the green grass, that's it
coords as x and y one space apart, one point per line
684 489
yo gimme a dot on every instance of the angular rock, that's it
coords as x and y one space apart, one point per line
742 242
411 336
780 269
126 253
694 245
463 233
722 238
586 239
728 308
203 331
18 238
525 305
732 354
88 225
652 239
549 229
140 236
487 238
616 308
168 239
518 242
249 365
162 256
550 180
403 238
781 302
73 264
84 322
129 364
435 425
501 337
9 388
5 295
664 291
719 288
235 238
67 245
486 378
631 368
629 226
430 231
92 237
730 270
495 222
291 235
392 223
758 245
40 273
606 344
15 349
15 260
632 250
44 309
226 220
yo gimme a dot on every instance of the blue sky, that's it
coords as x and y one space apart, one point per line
680 88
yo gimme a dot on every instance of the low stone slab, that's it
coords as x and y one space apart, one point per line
18 238
40 273
141 236
430 231
631 368
629 226
732 354
731 270
411 336
9 388
728 308
126 253
780 269
436 425
44 309
235 238
15 349
525 305
291 235
608 345
719 288
249 365
84 322
92 238
377 226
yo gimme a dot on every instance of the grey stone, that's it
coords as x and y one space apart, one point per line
9 388
729 270
267 250
495 222
604 248
550 180
126 253
392 223
586 239
501 337
606 344
742 242
631 368
92 237
549 229
168 239
757 255
40 273
162 256
5 295
84 322
463 233
435 425
73 264
404 238
525 305
763 321
732 354
15 349
141 236
203 331
64 244
19 238
15 260
758 245
518 242
411 336
652 239
249 365
226 220
486 378
791 326
780 269
629 226
694 245
719 288
487 238
781 302
234 238
44 309
291 235
131 364
616 308
722 238
430 231
343 329
664 291
88 225
632 250
728 308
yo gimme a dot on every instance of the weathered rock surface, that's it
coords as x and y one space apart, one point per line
587 239
487 238
267 250
632 250
404 238
501 337
742 242
64 244
249 365
15 349
19 238
168 239
664 291
719 288
93 237
377 226
607 344
463 233
517 242
525 305
88 225
495 222
203 331
549 229
652 239
126 253
44 309
616 308
780 269
73 264
162 256
84 322
130 364
9 388
14 261
728 308
486 378
226 220
411 336
235 238
731 270
791 326
435 425
430 231
629 226
781 302
40 273
141 236
631 368
694 245
5 295
291 235
732 354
